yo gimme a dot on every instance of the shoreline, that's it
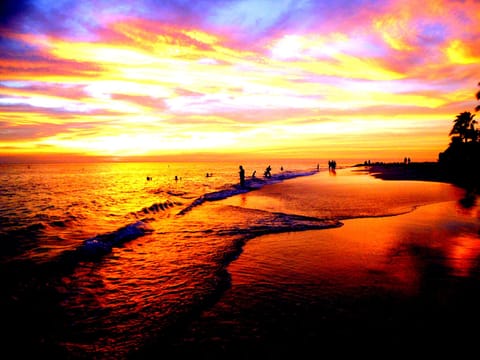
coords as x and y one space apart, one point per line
467 179
422 171
396 280
407 281
425 171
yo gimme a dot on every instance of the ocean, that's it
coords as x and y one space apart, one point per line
105 260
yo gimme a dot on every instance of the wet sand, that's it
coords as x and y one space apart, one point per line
382 287
407 284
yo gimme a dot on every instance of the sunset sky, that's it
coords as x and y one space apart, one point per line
357 79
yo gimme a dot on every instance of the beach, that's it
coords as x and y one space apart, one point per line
239 179
399 282
398 285
102 263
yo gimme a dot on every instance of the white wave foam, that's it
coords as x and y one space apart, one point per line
250 185
103 244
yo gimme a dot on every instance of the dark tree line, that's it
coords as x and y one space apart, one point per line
460 162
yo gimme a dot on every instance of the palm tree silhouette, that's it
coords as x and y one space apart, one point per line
477 108
464 127
460 162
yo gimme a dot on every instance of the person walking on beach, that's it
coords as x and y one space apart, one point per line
242 176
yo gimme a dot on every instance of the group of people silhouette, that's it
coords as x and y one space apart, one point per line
332 165
267 173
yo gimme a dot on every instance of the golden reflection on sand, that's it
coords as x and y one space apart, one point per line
397 253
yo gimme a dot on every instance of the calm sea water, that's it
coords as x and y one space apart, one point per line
99 260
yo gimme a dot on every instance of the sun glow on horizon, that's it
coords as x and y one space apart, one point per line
377 86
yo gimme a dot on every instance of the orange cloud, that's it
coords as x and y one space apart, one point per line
147 87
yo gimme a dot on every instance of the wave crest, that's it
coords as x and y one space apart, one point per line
250 185
103 244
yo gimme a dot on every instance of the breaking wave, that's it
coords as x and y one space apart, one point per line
103 244
250 185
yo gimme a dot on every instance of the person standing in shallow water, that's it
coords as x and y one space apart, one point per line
242 176
267 172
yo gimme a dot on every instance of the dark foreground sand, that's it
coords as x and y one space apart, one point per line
388 287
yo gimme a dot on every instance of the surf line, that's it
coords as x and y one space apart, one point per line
250 185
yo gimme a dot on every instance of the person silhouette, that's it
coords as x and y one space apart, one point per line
242 176
267 172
